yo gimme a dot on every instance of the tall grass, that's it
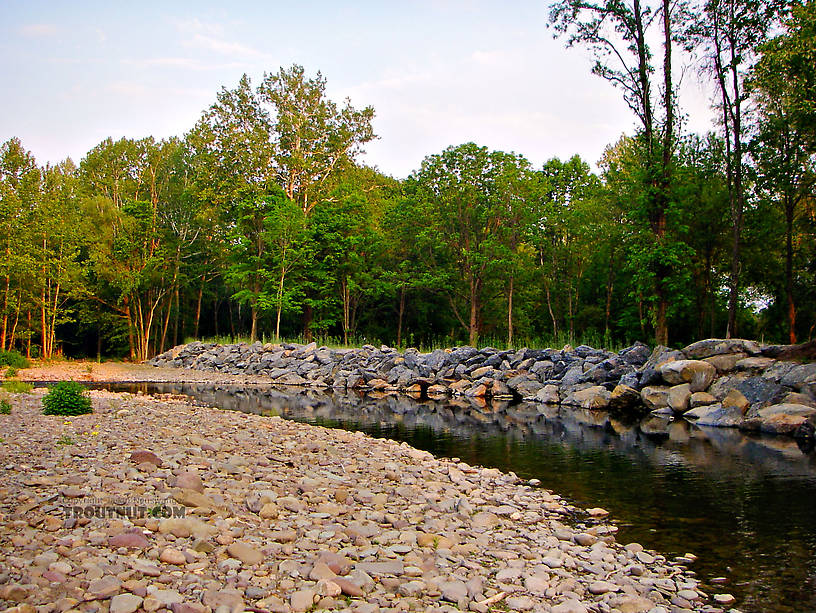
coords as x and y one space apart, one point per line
593 339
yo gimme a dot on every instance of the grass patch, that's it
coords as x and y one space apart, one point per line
67 398
14 359
17 387
5 407
65 440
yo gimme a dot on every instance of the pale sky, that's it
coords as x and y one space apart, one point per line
437 72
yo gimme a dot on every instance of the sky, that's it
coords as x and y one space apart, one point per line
437 72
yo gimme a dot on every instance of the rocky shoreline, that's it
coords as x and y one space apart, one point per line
157 505
714 382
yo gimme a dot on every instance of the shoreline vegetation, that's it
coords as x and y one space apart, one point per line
282 516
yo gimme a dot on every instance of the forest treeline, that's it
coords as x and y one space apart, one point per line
262 222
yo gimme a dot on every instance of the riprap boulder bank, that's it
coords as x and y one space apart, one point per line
715 382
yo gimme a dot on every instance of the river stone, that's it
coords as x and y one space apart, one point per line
655 397
349 588
189 481
569 606
715 415
125 603
701 399
303 600
755 365
679 397
736 400
454 591
142 456
718 346
485 520
132 539
104 587
696 373
595 397
246 553
725 362
548 395
602 587
784 418
520 603
230 598
623 397
169 555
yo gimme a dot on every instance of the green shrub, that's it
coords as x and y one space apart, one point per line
13 358
17 387
11 372
5 407
67 398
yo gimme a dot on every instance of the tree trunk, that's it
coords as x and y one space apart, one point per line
789 269
198 309
400 316
473 326
510 314
280 304
610 279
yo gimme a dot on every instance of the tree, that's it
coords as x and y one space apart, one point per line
617 35
313 139
729 32
20 184
784 145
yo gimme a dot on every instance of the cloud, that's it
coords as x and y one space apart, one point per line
39 29
223 47
185 63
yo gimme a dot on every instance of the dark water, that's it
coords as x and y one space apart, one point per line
746 505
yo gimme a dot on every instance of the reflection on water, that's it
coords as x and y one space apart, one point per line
746 505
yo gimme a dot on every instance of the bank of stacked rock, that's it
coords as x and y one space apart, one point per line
280 516
715 382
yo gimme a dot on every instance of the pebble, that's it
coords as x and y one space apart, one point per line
289 517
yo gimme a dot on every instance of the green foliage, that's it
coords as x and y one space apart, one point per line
65 440
67 398
11 372
5 407
13 359
17 387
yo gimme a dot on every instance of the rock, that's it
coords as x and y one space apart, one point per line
142 456
170 555
602 587
303 600
569 606
724 599
349 588
485 520
696 373
547 395
520 603
102 588
132 539
125 603
189 481
229 598
655 397
784 418
246 553
454 591
754 365
726 362
700 399
595 397
718 346
736 400
623 398
715 415
679 397
381 568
